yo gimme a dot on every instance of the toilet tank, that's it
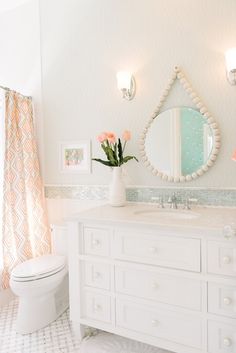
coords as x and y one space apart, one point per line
59 239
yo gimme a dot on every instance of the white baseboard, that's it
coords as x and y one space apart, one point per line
6 296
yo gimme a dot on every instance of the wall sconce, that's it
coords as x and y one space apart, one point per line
126 83
230 58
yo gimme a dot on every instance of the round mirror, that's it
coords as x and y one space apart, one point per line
179 144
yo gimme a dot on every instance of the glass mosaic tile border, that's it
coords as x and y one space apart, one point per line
205 196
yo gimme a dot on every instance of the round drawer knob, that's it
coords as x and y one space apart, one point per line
154 323
227 341
97 275
152 249
155 285
97 307
95 242
227 301
226 260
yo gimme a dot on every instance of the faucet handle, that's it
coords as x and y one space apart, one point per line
188 202
172 200
160 199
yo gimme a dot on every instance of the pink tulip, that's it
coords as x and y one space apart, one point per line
126 135
111 137
102 137
234 156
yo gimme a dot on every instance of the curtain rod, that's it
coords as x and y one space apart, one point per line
8 89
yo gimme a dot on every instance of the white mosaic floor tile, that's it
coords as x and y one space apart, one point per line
55 338
58 338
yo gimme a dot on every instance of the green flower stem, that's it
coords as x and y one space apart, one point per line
124 147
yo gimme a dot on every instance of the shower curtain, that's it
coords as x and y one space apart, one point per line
25 227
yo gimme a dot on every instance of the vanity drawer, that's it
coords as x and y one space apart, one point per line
166 251
221 258
96 241
97 275
221 337
222 299
172 326
149 284
96 306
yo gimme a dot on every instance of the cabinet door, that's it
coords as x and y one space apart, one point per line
95 274
221 338
166 251
96 241
221 258
222 299
96 306
149 284
180 328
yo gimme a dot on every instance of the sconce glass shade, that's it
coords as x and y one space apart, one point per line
230 60
126 83
123 79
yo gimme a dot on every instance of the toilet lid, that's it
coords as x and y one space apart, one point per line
39 266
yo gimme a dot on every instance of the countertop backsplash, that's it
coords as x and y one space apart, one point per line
224 197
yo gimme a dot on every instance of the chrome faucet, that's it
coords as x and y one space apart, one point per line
172 200
188 202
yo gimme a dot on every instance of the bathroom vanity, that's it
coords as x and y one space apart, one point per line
160 276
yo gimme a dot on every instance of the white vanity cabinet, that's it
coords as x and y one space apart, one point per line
169 285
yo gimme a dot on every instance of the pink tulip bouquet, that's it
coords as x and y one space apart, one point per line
114 149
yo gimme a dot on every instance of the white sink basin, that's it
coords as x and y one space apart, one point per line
167 214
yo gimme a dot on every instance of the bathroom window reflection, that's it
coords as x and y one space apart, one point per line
179 141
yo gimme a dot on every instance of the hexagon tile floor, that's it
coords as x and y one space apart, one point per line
55 338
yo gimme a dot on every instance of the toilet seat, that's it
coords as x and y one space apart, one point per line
38 268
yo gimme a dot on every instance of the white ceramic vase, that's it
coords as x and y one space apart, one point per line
117 194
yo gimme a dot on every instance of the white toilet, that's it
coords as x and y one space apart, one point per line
42 286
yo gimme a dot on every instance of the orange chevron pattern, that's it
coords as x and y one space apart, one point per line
26 231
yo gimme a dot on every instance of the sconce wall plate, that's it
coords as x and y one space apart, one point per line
231 76
230 59
126 83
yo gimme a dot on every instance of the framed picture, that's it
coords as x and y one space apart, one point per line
75 157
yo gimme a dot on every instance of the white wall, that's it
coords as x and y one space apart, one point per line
20 46
84 44
20 62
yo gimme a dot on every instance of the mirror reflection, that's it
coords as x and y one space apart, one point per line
179 141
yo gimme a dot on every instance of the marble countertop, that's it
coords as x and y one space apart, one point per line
198 218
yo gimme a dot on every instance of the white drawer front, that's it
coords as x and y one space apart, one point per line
96 306
96 241
179 328
221 338
166 251
96 275
222 258
149 284
222 299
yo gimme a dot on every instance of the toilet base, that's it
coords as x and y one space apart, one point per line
37 312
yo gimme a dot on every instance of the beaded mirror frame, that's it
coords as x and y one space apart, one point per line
179 75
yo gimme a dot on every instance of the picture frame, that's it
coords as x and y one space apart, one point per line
75 157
